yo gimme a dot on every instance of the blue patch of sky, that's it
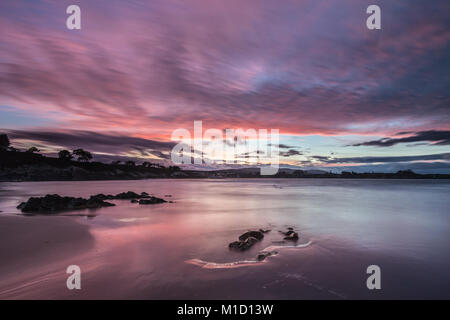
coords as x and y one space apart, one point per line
12 118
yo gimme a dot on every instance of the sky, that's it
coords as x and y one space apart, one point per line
342 96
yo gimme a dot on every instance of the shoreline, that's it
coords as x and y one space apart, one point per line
318 177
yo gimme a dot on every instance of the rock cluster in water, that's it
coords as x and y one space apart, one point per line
290 234
143 198
52 203
247 240
151 200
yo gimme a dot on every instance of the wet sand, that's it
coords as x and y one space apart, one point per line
132 251
325 269
37 249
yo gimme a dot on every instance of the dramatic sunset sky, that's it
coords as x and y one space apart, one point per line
343 96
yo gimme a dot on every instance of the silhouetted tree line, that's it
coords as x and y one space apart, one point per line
12 157
83 155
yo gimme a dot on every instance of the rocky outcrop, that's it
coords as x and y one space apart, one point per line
53 203
246 240
130 195
290 234
255 234
144 197
243 244
151 200
264 254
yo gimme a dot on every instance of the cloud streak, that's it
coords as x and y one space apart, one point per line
112 143
159 66
435 137
140 69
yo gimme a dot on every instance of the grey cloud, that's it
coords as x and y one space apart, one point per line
436 137
95 142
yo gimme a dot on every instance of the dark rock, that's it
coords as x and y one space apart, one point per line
130 195
255 234
53 203
243 244
127 195
291 236
264 254
287 233
246 240
151 200
94 204
235 245
101 196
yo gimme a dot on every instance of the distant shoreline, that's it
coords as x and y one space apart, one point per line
16 166
317 177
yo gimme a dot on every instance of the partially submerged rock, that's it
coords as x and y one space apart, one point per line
290 234
243 244
246 240
102 196
52 203
255 234
131 195
151 200
264 254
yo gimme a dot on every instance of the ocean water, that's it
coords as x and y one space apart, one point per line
180 250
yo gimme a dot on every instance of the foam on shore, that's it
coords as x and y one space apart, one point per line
243 263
